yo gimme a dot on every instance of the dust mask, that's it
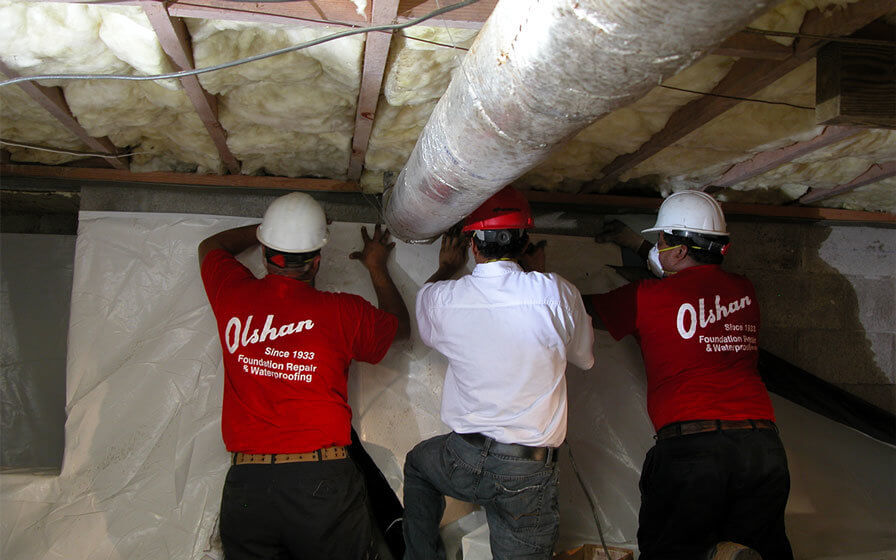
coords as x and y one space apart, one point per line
653 261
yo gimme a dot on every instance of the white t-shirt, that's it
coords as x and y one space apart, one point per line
507 335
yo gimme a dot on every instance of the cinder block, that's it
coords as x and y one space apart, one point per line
881 396
842 356
858 251
769 247
798 301
877 303
780 342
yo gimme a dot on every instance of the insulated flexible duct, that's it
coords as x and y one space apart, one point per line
538 73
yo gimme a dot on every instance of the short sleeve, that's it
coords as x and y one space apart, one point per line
375 333
618 310
580 350
219 268
424 322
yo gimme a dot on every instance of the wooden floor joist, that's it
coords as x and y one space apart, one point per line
175 41
746 78
875 173
766 161
376 52
53 100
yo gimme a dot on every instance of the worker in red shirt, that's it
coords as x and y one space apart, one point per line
716 483
292 491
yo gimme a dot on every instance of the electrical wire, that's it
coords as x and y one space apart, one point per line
738 98
185 73
69 152
332 22
600 530
859 40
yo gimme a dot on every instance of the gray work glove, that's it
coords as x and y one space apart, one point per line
616 232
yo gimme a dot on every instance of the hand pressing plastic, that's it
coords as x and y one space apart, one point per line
532 259
376 250
453 253
616 232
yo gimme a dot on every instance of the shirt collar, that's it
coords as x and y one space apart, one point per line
496 268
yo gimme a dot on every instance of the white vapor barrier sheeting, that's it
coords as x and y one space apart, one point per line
144 461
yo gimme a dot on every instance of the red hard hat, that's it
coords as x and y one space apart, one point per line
506 209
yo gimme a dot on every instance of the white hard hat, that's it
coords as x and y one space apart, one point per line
294 223
693 211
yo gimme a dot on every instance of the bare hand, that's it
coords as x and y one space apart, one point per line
616 232
532 259
376 250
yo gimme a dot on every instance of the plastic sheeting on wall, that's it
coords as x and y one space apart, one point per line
144 461
36 296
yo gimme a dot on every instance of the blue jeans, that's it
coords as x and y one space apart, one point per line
519 497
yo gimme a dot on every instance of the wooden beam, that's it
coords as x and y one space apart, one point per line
311 13
750 45
173 36
766 161
53 100
856 84
91 163
470 17
638 204
117 176
873 174
746 77
376 52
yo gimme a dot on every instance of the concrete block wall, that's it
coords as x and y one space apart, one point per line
827 295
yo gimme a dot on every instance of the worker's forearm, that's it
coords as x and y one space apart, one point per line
588 300
644 249
234 241
389 300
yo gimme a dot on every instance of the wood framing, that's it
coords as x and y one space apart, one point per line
172 178
766 161
745 78
318 12
471 17
376 52
750 45
856 84
52 99
600 201
873 174
638 204
173 36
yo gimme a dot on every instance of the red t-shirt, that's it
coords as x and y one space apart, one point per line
698 332
287 348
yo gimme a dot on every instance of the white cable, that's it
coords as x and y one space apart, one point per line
185 73
69 152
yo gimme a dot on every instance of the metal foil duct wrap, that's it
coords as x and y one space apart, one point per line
539 72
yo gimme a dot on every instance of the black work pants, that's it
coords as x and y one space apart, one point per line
314 510
700 489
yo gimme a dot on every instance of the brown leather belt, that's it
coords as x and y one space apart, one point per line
324 454
700 426
512 449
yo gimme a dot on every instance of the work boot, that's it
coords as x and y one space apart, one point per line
732 551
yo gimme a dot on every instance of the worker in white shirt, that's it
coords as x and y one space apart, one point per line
507 334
